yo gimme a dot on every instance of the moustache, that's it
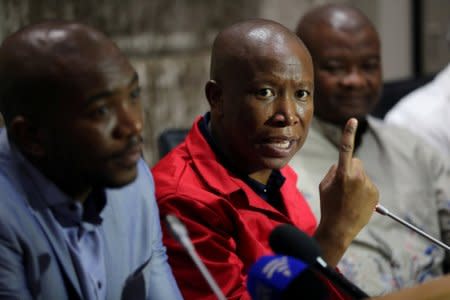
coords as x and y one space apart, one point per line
132 144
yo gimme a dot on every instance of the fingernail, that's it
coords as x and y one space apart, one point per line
353 124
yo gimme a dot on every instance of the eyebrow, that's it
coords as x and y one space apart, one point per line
300 82
106 94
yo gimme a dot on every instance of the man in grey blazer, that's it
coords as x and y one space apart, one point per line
78 218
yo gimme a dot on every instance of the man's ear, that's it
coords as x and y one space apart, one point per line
213 93
27 136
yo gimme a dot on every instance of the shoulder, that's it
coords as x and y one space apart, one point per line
132 212
195 185
191 172
404 142
12 191
18 225
396 137
135 201
143 183
178 181
171 168
392 132
421 103
181 191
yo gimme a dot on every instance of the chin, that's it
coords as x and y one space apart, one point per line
121 179
276 163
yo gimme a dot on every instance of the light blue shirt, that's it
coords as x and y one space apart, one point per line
52 249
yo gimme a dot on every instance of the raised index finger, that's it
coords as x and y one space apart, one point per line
347 144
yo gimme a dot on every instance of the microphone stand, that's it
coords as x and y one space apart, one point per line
180 233
385 212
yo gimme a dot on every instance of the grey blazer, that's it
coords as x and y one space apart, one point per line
35 262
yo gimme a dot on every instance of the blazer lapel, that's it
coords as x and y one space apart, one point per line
59 246
19 172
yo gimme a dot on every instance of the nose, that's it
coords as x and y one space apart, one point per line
354 78
285 112
129 121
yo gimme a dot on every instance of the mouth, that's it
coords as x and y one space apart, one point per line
354 99
278 147
130 156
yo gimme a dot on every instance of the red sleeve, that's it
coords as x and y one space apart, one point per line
214 245
216 248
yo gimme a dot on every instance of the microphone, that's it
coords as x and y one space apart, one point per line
179 232
283 277
289 240
385 212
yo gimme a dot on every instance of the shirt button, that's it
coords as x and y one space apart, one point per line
265 190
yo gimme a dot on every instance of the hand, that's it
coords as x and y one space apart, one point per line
347 200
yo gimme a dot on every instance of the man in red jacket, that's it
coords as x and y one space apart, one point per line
229 181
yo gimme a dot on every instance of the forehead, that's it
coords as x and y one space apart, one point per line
330 40
291 67
82 57
94 71
264 41
287 59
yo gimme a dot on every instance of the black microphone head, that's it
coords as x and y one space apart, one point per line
287 239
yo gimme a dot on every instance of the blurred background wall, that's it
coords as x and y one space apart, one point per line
168 41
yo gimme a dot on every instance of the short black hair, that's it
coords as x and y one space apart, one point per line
24 95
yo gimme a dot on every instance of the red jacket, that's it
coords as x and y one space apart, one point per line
227 221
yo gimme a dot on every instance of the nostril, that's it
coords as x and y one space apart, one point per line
354 78
279 118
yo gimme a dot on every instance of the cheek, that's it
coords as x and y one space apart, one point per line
325 79
94 137
304 109
375 81
251 114
305 114
262 114
325 85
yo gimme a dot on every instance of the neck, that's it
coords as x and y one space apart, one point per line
261 176
75 188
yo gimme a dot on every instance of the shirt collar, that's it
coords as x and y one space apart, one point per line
270 190
77 214
67 211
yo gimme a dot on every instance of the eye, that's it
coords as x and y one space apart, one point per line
100 111
334 67
371 65
302 94
135 93
265 93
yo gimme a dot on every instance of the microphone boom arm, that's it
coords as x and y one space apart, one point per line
385 212
180 233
